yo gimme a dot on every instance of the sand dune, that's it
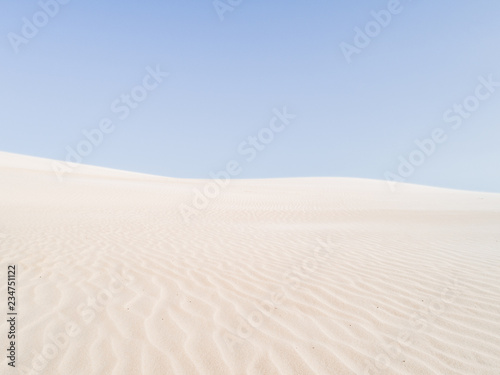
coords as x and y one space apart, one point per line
283 276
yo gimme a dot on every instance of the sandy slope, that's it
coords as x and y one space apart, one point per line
288 276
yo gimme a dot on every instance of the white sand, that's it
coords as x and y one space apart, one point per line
285 276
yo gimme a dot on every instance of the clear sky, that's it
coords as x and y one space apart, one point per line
362 86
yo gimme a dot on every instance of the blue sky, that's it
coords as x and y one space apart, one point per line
357 118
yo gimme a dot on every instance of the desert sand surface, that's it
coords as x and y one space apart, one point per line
280 276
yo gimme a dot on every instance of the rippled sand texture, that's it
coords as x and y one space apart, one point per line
286 276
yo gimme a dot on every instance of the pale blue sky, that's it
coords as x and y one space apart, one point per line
225 78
